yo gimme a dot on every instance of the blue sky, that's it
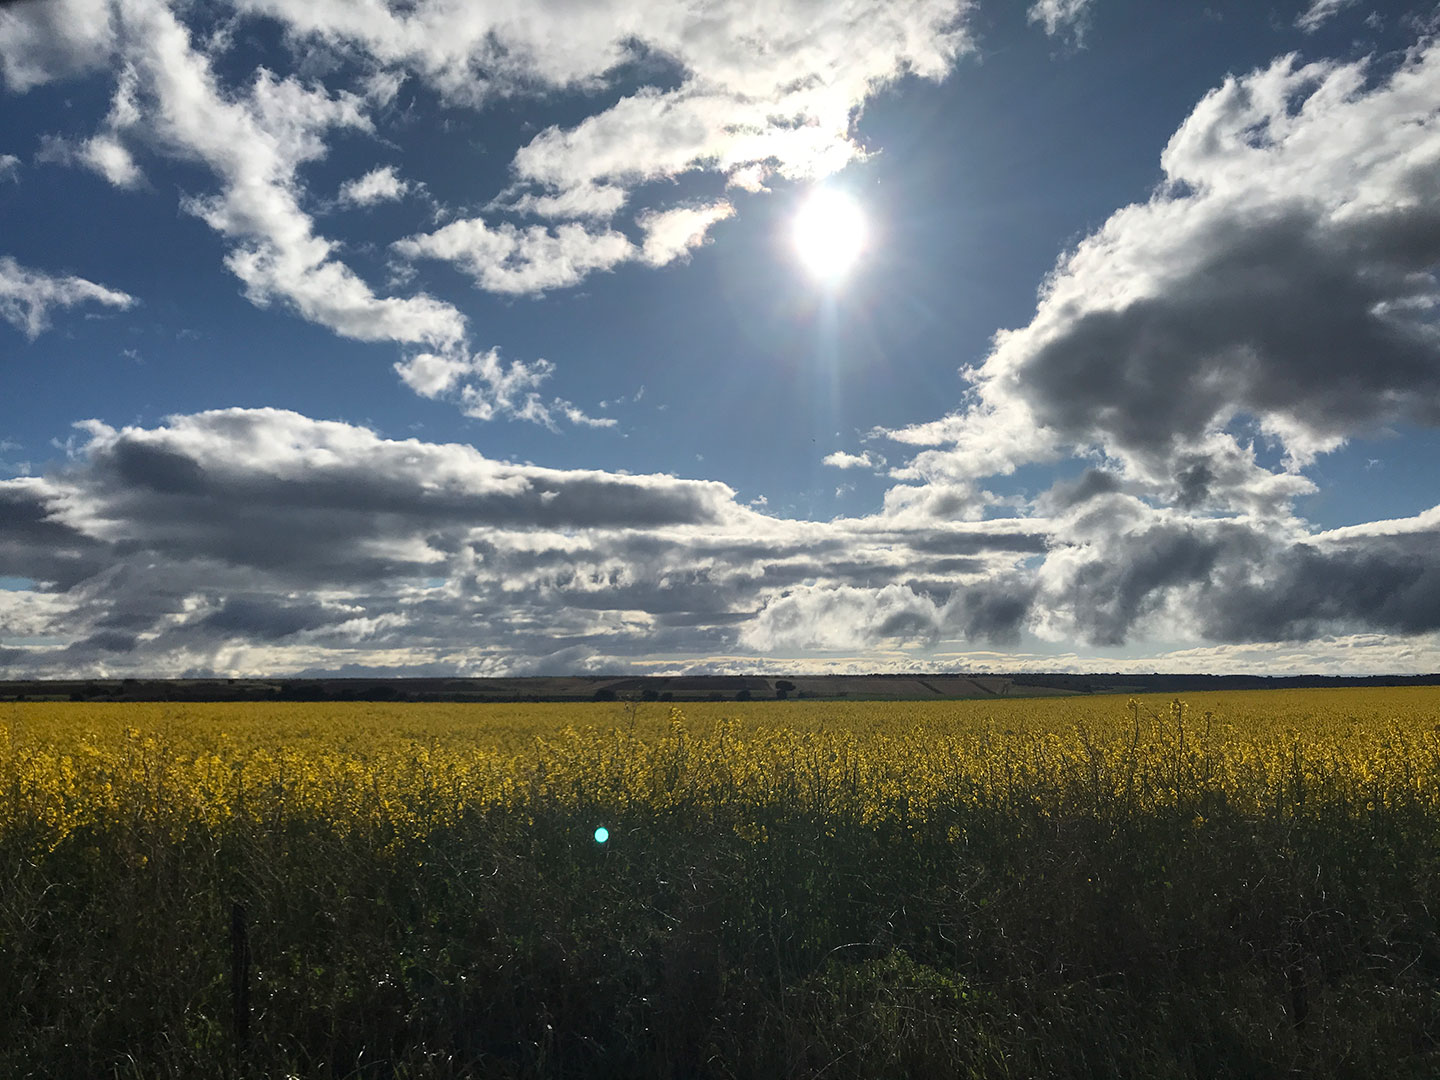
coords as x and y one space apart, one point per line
477 339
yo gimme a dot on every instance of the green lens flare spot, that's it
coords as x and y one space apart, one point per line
602 834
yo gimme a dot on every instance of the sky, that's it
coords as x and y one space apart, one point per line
345 337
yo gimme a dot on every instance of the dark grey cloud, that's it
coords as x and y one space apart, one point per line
1232 581
108 641
1281 285
264 619
34 544
1066 494
266 535
267 542
1286 315
1389 584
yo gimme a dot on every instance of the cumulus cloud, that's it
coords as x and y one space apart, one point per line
253 141
9 167
843 619
105 152
743 93
849 618
28 296
42 42
754 85
1279 286
262 540
1121 568
510 260
378 185
842 460
102 154
265 538
486 387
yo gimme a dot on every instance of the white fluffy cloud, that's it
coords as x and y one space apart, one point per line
840 459
253 140
41 42
103 154
600 201
486 387
843 619
28 296
531 261
756 83
751 92
1280 285
515 261
382 184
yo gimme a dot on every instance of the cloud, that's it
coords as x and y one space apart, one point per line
190 546
1119 568
263 540
754 85
1060 16
1320 12
842 460
9 167
253 141
843 619
483 385
1279 286
513 261
486 387
382 184
1066 494
579 418
42 42
28 296
672 234
510 260
102 154
737 91
846 618
601 201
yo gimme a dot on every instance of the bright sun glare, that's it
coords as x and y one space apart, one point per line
829 234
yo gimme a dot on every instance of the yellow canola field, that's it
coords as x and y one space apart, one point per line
402 771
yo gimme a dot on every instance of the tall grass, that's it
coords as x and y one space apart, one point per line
1097 889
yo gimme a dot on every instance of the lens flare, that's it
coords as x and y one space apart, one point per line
602 834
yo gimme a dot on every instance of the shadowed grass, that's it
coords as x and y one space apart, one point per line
1058 926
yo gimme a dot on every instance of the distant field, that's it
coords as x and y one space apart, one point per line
680 688
672 688
1234 883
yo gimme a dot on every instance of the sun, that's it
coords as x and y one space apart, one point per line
829 234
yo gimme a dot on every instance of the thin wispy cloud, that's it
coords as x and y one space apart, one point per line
1058 17
1320 12
29 297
